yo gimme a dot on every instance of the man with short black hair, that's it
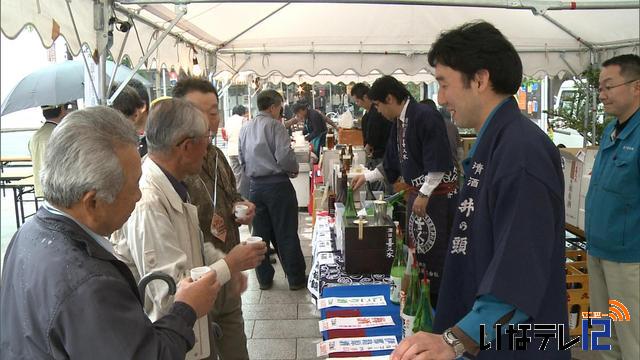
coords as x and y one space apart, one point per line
612 221
139 87
53 115
506 257
315 125
269 162
417 156
375 128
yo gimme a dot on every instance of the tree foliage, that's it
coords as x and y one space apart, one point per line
573 115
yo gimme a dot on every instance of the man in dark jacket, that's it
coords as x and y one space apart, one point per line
64 294
375 128
315 125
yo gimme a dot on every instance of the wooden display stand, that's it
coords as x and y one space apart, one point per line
350 136
577 287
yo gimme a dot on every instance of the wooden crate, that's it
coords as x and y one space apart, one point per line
577 290
350 136
576 255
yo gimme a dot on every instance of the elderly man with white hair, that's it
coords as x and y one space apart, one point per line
64 294
163 233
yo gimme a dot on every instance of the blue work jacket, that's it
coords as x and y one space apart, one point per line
612 208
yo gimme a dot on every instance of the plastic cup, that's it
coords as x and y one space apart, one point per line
253 240
198 272
240 211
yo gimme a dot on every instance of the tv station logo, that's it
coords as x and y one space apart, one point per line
595 326
617 312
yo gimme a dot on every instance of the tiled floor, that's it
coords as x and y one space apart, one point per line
279 323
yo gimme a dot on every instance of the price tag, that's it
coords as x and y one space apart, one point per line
361 322
324 246
359 344
352 301
325 258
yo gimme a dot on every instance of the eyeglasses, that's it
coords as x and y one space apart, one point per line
209 137
607 88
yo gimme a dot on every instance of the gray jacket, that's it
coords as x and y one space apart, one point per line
265 149
64 296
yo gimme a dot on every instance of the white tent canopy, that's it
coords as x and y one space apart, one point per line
353 37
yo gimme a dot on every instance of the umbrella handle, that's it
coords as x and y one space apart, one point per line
156 276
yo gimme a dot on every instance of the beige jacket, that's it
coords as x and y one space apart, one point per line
162 234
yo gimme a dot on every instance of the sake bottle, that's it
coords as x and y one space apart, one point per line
331 201
350 205
411 305
341 191
395 198
424 319
369 193
399 264
406 280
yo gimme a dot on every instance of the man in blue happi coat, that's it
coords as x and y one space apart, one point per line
505 261
418 155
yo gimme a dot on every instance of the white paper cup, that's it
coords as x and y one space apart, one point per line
253 240
200 271
240 211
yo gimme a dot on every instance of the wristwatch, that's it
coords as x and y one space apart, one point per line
422 195
452 340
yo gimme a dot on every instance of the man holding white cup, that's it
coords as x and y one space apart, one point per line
163 233
213 190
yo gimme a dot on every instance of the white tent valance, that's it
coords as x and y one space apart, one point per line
344 36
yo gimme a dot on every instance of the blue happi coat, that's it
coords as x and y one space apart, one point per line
508 234
417 146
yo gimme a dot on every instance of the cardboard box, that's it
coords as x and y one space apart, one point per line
589 158
572 165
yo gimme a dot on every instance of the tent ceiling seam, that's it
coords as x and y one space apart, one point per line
224 44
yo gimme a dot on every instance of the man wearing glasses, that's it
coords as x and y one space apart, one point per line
163 233
612 206
213 190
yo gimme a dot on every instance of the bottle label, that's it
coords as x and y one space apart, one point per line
573 320
407 325
403 300
359 344
361 322
395 289
351 301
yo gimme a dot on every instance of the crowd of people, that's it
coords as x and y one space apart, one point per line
139 188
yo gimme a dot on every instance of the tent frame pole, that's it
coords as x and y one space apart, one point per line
181 10
120 53
503 4
84 58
